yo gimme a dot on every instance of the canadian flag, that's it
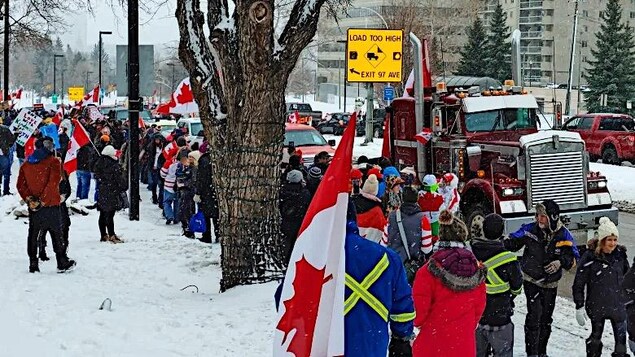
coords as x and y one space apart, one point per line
424 136
294 117
59 116
80 138
17 94
91 97
182 101
311 315
427 73
29 147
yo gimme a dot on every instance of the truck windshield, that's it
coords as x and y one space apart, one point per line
504 119
300 107
304 138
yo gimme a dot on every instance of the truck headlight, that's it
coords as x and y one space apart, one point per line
602 184
517 191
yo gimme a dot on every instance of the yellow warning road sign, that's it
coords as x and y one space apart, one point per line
374 55
76 93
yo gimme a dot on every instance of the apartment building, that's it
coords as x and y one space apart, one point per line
546 35
443 20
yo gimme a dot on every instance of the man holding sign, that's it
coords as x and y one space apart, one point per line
6 142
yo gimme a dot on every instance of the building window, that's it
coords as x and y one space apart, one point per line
547 59
632 15
549 12
586 28
549 27
584 44
585 13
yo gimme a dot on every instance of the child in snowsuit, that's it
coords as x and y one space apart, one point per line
449 190
601 271
392 199
185 186
430 202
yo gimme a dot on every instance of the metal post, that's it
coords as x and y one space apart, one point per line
160 87
134 106
54 74
339 84
417 48
62 96
571 59
86 86
100 57
577 107
5 83
369 113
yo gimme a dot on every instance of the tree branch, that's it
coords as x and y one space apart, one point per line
304 15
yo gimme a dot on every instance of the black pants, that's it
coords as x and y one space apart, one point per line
45 219
207 235
540 305
107 223
619 333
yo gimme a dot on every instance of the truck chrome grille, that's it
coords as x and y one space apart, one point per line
557 176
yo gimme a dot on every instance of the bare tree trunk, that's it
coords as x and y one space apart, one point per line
239 83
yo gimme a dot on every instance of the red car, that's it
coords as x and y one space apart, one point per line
610 137
308 140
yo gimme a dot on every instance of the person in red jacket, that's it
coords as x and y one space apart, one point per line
449 295
370 217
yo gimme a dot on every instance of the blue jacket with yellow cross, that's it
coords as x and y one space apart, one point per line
377 294
541 249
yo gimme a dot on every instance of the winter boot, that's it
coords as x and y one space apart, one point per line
620 351
33 266
188 234
593 348
105 238
115 239
64 265
43 256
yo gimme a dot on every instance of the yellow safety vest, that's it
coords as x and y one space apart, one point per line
360 292
496 285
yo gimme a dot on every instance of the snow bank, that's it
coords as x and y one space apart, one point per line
620 180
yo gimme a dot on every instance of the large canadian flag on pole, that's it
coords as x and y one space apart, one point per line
91 97
80 138
311 314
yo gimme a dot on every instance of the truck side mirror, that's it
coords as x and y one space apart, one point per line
331 142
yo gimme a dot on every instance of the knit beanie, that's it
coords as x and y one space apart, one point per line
109 150
356 174
607 228
430 183
371 186
294 176
451 229
493 226
105 138
410 194
377 172
315 173
196 155
391 171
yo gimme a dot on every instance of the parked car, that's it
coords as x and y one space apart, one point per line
334 124
193 128
305 110
379 116
122 114
610 137
166 127
308 140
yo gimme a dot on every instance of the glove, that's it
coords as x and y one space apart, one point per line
580 315
197 198
553 267
399 347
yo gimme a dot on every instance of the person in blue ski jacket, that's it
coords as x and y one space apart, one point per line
377 274
549 248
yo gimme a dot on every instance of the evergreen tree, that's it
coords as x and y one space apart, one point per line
612 72
473 63
499 48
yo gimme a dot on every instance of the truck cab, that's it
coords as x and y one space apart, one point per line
490 140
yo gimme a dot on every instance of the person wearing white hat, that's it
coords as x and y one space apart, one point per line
601 271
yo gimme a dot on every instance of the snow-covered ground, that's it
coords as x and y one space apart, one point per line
620 180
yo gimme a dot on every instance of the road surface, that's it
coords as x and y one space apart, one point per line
627 239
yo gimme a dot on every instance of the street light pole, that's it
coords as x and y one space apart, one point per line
172 83
6 51
134 106
86 86
55 57
571 58
100 34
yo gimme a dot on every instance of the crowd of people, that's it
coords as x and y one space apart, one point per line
179 176
408 250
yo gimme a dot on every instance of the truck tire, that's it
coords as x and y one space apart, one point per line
609 156
475 217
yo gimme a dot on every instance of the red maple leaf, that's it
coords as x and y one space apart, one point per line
302 309
186 95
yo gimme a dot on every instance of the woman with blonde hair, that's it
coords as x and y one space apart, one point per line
601 271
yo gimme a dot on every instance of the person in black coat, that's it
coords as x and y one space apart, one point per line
549 248
601 271
295 163
206 197
64 142
85 157
294 202
495 329
153 152
628 289
112 185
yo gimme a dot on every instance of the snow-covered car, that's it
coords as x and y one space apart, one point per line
193 129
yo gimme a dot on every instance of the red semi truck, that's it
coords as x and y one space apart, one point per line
505 164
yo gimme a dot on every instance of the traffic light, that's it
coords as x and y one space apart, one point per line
557 122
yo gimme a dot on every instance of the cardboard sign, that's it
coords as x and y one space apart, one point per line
25 123
94 113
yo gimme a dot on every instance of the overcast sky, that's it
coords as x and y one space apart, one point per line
160 29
